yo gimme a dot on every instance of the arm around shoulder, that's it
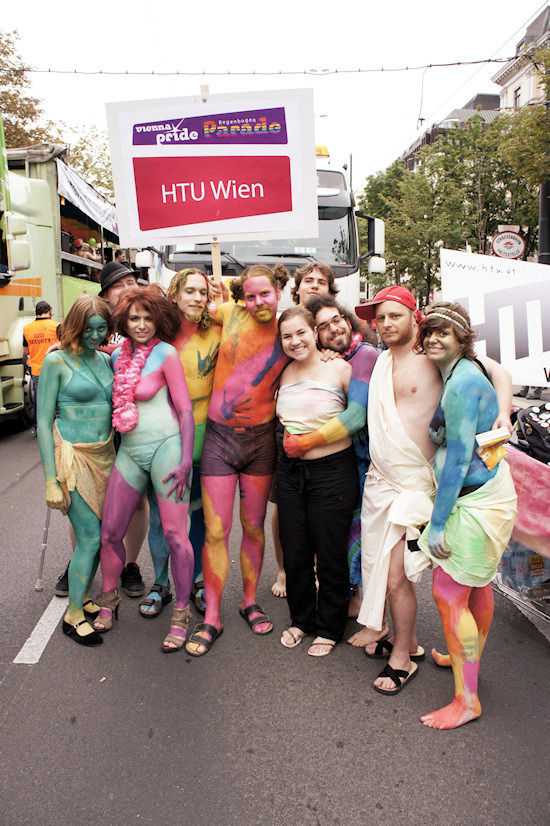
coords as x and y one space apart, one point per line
502 382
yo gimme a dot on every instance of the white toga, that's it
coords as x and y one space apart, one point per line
396 498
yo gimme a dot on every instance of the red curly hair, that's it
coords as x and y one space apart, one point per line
151 299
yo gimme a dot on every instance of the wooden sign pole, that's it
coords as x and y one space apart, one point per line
214 246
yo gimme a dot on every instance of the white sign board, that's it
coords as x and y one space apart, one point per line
509 306
214 167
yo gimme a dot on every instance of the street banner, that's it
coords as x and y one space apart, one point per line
83 195
214 167
509 306
73 288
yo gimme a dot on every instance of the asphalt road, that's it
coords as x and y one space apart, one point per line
252 733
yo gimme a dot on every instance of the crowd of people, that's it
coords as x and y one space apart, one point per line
154 406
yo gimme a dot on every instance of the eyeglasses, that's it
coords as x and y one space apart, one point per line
326 324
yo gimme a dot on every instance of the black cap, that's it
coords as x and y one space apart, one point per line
42 308
111 273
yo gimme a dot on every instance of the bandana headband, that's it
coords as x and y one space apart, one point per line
446 315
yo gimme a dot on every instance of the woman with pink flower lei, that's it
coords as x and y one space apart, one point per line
152 410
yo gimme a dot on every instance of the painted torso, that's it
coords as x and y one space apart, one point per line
84 397
157 418
362 361
198 354
464 381
250 362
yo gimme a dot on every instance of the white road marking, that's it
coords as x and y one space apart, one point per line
44 628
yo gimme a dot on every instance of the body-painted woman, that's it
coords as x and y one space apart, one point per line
239 444
197 343
474 509
152 410
77 447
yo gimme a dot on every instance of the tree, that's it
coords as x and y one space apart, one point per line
421 212
495 192
20 112
380 199
526 140
90 155
24 126
424 219
473 178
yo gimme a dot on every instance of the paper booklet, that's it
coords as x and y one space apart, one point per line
491 446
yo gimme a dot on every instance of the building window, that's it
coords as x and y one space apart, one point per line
517 97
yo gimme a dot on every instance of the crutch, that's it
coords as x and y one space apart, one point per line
39 586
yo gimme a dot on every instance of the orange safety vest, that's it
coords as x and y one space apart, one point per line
39 336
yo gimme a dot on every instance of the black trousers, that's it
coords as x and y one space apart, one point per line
316 498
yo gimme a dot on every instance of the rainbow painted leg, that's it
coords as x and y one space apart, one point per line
482 606
463 641
173 517
254 491
121 499
218 495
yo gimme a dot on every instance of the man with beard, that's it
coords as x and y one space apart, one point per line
338 331
404 393
239 444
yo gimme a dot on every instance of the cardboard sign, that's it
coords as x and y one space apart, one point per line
214 167
509 306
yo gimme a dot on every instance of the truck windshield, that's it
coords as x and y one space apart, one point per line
335 245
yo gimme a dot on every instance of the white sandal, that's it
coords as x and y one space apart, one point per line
296 640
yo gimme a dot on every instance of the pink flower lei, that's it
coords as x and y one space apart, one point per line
128 371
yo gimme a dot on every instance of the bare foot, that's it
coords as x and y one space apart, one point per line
452 716
278 589
442 660
355 603
367 635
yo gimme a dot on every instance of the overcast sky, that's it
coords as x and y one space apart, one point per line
371 116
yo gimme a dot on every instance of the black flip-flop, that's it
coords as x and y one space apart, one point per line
395 675
386 646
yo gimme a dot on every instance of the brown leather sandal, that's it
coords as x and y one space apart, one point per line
108 602
179 623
